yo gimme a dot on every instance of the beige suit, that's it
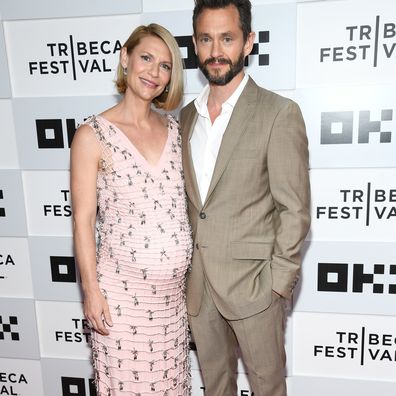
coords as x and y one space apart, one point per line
248 232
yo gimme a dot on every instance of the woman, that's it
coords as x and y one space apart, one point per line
127 161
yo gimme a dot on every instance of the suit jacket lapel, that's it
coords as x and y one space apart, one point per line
189 172
241 115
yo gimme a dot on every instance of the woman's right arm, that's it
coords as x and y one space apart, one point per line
84 159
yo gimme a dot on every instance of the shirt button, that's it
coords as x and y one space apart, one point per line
202 215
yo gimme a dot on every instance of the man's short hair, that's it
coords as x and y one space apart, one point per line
244 8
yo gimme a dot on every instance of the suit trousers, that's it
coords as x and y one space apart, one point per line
261 342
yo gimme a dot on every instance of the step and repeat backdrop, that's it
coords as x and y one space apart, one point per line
337 59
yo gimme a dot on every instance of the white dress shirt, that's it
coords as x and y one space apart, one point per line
206 138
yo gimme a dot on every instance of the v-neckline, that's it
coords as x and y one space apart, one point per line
142 158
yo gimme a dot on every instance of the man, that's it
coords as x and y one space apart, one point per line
245 159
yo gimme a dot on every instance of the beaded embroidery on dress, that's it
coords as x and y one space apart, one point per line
144 251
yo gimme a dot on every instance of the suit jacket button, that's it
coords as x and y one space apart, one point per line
202 215
196 246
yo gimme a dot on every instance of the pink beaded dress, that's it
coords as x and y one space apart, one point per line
143 254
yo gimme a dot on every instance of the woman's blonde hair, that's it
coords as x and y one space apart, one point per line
171 97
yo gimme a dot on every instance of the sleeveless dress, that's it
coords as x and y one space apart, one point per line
143 254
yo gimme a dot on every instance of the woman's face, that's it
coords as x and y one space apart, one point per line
149 68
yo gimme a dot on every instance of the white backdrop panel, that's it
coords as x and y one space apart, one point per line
15 273
288 93
67 377
311 386
12 204
8 147
26 9
348 277
275 26
5 87
346 42
344 346
48 202
352 205
18 329
63 331
55 273
66 56
350 126
45 127
20 377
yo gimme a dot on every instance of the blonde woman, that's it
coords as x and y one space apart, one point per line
127 163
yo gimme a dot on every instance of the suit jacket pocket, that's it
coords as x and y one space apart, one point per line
251 250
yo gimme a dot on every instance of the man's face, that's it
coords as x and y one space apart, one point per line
219 44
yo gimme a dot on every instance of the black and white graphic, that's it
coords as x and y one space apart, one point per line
68 377
9 327
340 44
348 277
63 269
2 210
63 330
12 205
55 272
50 133
353 205
351 346
363 43
72 66
77 386
350 127
48 203
66 56
20 377
359 277
18 329
344 120
45 127
15 273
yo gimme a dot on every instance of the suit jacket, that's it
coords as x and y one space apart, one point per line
249 231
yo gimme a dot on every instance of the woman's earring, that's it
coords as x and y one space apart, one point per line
167 89
125 71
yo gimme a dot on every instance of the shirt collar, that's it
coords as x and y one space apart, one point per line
202 100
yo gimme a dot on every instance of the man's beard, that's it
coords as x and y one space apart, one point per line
235 68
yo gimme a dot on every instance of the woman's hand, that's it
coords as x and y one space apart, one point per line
96 311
